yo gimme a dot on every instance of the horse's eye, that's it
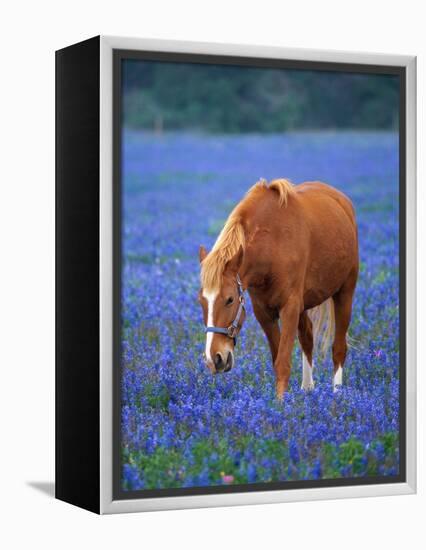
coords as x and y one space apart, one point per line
229 301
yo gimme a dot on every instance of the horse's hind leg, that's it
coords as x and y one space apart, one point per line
343 311
306 340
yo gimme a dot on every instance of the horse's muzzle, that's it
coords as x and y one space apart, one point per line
223 364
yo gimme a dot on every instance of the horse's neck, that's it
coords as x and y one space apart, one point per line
250 272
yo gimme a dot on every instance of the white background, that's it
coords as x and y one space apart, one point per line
30 33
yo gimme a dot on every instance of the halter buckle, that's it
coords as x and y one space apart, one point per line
232 331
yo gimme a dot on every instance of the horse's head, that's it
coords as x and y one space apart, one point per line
224 314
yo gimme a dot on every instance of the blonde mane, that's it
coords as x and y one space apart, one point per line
232 236
283 187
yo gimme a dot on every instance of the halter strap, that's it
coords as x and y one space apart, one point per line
232 330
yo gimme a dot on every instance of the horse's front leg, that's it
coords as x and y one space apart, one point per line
289 316
269 324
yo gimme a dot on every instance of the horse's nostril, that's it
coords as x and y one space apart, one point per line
219 363
217 359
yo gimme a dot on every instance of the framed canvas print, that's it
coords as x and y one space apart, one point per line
235 274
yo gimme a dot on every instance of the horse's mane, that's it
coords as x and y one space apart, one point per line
283 187
232 236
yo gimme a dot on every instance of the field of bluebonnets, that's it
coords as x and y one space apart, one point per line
181 426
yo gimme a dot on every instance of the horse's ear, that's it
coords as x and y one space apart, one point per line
234 263
202 253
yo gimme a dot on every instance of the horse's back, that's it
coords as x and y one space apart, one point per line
315 192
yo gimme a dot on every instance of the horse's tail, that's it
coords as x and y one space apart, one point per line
323 325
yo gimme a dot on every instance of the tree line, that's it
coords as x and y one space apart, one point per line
230 99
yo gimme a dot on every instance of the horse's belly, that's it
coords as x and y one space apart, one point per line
326 277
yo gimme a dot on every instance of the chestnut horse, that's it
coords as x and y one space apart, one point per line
295 249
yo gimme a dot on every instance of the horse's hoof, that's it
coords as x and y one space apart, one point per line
307 387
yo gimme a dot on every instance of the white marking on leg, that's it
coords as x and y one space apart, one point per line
210 297
338 378
307 379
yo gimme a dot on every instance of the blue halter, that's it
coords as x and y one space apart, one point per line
233 328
